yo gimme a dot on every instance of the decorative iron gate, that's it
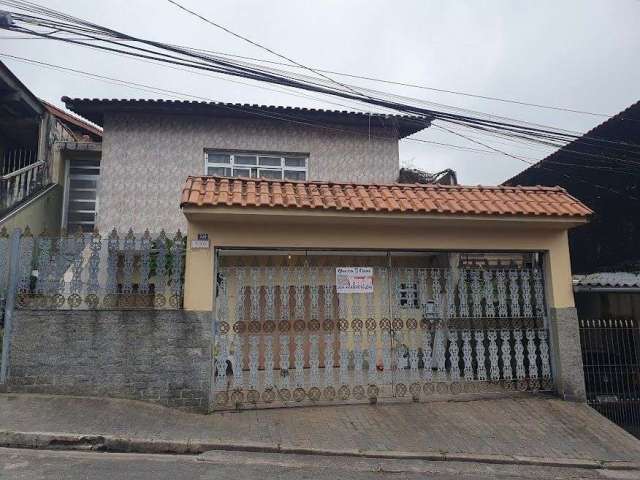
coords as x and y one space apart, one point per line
611 360
286 335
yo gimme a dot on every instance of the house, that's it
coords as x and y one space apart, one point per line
308 275
40 154
602 168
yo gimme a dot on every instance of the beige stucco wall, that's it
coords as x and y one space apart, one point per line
43 212
371 232
147 158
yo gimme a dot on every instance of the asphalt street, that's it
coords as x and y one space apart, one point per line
20 464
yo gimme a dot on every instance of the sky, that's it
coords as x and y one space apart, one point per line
578 54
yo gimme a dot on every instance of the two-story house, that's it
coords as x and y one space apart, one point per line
157 144
42 151
309 273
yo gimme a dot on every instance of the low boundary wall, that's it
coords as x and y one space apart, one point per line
156 356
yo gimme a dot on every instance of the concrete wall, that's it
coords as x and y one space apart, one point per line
40 213
155 356
147 158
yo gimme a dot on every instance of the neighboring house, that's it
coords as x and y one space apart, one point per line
602 168
38 144
157 144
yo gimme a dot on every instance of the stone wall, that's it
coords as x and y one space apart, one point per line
567 353
155 356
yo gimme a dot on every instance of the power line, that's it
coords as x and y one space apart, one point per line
177 94
277 77
374 79
256 44
514 130
386 81
290 120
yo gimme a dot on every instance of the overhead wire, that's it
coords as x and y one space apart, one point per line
176 94
288 81
513 130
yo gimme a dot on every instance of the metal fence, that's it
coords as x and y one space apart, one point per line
611 358
287 334
88 271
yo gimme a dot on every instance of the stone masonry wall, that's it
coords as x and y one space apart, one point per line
155 356
565 341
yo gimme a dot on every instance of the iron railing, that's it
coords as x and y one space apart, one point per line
88 271
611 359
19 184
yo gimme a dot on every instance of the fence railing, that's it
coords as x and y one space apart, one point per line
19 184
88 271
611 360
288 333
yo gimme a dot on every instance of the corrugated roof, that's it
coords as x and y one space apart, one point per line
574 148
608 280
93 109
68 117
398 198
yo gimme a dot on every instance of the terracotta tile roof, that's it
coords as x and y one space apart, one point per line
392 198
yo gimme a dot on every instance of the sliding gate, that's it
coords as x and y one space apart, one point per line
325 327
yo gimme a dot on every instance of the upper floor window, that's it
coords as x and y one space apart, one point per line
255 165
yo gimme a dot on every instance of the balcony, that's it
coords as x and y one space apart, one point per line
21 176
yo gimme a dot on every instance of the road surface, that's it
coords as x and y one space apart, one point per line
18 464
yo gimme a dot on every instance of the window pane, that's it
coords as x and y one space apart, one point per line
82 194
85 163
222 171
81 217
84 171
270 161
76 183
270 174
295 162
78 204
245 160
218 158
295 175
241 172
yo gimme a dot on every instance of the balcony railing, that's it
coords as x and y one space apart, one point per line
19 184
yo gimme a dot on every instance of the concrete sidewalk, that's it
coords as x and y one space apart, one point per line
529 427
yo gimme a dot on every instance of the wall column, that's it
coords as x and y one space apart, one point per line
566 352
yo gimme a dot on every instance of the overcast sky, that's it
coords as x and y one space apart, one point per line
578 54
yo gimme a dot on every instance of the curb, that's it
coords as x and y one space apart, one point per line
108 443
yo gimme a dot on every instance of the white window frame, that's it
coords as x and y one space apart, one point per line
255 170
67 192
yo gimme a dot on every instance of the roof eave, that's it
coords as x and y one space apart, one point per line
209 211
94 110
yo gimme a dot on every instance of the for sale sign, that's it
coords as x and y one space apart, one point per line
354 279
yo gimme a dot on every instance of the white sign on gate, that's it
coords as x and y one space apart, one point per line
354 279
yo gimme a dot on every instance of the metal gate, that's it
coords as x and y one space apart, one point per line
611 359
432 324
